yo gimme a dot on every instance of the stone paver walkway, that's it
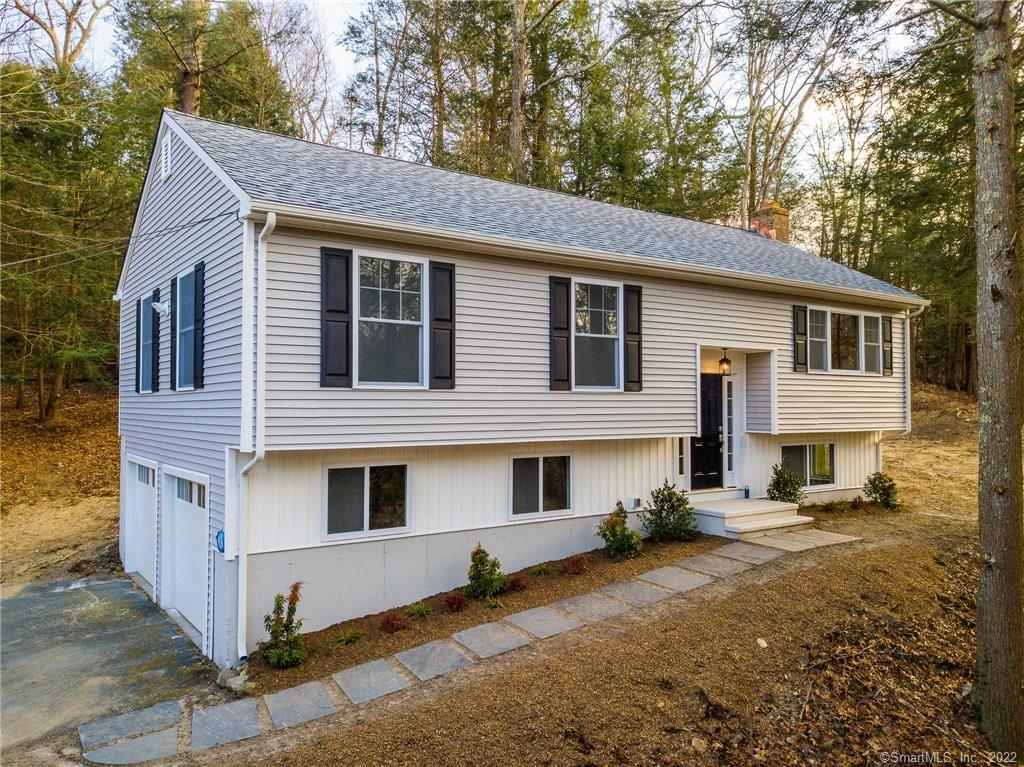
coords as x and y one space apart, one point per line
147 734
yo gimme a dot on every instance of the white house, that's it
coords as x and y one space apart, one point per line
347 370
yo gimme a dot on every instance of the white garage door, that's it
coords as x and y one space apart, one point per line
189 547
141 542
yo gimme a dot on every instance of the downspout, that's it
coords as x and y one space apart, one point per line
260 441
906 362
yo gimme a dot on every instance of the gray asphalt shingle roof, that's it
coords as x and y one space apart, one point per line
274 168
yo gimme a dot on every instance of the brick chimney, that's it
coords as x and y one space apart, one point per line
771 220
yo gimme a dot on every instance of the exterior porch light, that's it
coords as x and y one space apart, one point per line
725 364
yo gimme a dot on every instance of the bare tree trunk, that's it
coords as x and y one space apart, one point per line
520 41
192 72
55 388
999 677
41 393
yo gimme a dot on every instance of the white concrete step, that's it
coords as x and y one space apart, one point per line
745 531
746 517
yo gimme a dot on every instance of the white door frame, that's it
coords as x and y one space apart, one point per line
166 574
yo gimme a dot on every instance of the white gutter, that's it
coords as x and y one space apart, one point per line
368 226
243 482
906 363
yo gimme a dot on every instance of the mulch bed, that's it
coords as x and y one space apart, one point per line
326 657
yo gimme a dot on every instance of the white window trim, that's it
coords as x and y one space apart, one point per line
863 345
618 322
177 332
202 479
829 370
366 533
424 313
138 332
807 453
554 513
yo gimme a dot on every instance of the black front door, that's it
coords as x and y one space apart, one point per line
706 450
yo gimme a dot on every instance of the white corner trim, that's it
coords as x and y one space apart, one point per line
245 430
774 363
696 360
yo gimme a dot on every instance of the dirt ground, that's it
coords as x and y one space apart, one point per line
58 497
936 466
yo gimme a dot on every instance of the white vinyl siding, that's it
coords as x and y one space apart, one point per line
187 429
759 391
502 363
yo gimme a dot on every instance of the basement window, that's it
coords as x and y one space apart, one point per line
814 464
541 485
364 500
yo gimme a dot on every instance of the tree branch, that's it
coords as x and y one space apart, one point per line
948 8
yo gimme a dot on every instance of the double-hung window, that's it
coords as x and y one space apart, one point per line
186 330
541 485
145 331
872 344
366 500
596 336
391 340
817 339
814 464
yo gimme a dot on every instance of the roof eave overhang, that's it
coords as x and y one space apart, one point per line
297 216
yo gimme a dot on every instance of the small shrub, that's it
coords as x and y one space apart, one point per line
576 564
347 637
669 516
881 489
619 541
284 647
418 610
857 503
517 582
455 602
542 569
392 622
485 576
830 507
785 486
494 603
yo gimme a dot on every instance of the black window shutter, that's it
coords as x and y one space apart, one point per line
335 317
138 345
800 339
156 342
633 330
174 333
887 346
442 326
200 326
561 327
